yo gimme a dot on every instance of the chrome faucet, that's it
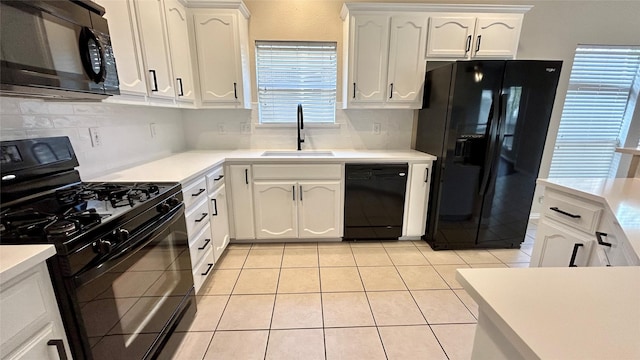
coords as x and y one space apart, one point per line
300 127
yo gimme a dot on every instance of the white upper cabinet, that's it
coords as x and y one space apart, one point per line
369 54
222 57
178 32
497 37
450 36
385 61
406 59
155 49
474 36
123 29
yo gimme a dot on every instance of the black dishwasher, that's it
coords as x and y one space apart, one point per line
374 201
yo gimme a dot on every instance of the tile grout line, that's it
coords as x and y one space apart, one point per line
375 322
215 329
416 303
273 309
324 334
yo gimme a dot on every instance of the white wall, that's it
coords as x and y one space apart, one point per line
222 129
125 130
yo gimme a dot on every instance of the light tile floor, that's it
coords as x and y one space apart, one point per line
362 300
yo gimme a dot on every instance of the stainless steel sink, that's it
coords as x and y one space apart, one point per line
297 153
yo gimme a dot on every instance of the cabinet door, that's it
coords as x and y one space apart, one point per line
619 252
555 246
242 200
155 49
219 221
319 212
450 36
218 57
177 30
418 200
406 59
496 37
368 58
276 210
123 29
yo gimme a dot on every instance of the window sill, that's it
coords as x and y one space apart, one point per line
294 125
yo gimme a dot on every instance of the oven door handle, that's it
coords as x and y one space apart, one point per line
141 238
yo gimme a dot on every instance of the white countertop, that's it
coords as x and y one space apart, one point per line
562 313
621 196
15 259
187 165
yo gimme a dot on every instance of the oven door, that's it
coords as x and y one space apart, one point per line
52 49
129 303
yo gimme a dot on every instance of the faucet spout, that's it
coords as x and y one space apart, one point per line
300 127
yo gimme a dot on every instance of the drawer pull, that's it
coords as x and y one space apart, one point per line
599 235
573 216
218 178
574 253
199 192
208 269
204 215
59 344
206 242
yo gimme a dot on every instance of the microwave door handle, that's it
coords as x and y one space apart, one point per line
88 36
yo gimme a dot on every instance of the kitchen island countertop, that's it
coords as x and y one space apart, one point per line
556 313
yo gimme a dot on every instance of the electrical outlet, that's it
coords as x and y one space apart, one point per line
376 128
245 128
152 129
221 129
96 137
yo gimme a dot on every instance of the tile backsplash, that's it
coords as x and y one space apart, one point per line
128 135
239 129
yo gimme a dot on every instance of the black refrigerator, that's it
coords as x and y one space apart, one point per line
487 122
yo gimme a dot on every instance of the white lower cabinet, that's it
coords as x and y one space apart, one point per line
275 210
31 327
219 221
293 209
297 201
579 231
319 214
560 247
240 179
417 200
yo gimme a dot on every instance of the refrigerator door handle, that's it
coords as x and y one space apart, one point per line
496 143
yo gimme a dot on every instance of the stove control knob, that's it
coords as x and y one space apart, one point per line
173 201
102 247
163 208
122 234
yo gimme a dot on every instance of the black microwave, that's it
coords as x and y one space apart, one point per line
56 49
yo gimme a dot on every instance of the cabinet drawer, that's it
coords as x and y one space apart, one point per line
302 172
200 245
215 179
194 191
202 270
577 213
197 218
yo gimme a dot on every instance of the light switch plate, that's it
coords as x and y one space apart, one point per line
376 128
96 137
221 129
152 129
245 128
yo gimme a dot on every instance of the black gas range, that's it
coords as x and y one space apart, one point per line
122 270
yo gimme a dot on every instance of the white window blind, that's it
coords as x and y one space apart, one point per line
595 111
291 73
